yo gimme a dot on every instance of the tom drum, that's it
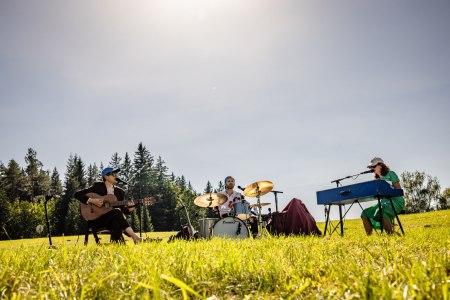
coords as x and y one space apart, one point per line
242 210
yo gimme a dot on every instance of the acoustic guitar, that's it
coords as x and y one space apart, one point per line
91 211
191 232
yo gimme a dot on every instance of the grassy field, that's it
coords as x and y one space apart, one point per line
415 266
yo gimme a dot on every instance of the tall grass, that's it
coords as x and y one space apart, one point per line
354 266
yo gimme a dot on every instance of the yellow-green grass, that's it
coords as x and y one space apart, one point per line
413 266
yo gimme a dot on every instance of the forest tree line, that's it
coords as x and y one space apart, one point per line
23 191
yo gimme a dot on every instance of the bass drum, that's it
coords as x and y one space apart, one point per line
230 227
206 226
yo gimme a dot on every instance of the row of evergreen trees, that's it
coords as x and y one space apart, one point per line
22 193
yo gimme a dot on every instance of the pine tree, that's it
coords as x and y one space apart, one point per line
208 189
4 216
32 171
181 182
67 216
93 174
126 168
2 174
74 221
147 225
14 181
55 184
116 161
161 170
143 180
142 167
135 220
220 187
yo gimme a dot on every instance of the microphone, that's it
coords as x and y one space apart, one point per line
239 187
366 172
121 181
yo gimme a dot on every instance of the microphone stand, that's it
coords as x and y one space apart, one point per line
341 222
276 199
338 182
140 204
47 220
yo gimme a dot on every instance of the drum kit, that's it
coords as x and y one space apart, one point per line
237 224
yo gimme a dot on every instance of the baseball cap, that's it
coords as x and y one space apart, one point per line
109 170
375 161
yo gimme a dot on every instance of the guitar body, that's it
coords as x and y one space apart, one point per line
91 212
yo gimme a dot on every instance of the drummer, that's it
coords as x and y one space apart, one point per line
233 196
225 210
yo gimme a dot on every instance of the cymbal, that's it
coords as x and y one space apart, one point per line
263 185
261 204
210 200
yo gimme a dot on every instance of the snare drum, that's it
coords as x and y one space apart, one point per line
241 210
230 227
206 226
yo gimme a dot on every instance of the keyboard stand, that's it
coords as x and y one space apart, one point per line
342 217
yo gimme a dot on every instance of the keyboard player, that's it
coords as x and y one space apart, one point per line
371 216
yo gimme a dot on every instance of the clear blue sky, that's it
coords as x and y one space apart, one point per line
296 92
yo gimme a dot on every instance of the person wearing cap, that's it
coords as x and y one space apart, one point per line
114 219
371 215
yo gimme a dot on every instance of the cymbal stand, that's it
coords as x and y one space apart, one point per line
261 231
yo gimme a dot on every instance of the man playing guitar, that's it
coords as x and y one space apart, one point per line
113 219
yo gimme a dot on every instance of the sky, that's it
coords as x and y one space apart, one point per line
295 92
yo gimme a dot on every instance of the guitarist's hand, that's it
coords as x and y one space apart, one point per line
131 206
96 201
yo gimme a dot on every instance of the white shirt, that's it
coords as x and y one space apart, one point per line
225 208
110 191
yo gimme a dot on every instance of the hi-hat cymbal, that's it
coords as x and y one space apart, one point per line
210 200
260 205
262 186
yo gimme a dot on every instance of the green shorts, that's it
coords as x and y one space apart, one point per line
388 213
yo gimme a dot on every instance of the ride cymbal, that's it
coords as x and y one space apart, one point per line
258 188
260 205
210 200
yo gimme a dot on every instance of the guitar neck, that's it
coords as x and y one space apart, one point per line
112 201
124 202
